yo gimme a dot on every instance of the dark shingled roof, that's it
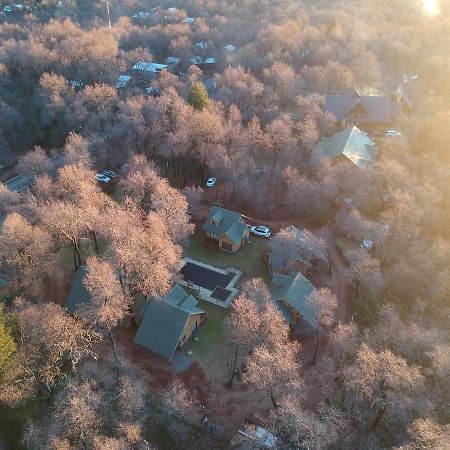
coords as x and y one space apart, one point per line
352 106
224 222
295 290
78 293
161 327
163 321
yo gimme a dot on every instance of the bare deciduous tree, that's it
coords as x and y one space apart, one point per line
324 305
34 163
26 255
108 305
285 248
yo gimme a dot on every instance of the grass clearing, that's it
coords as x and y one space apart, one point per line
211 334
87 249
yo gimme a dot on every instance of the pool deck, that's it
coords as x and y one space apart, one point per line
206 280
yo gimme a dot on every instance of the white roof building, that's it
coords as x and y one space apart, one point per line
141 15
122 81
172 60
143 66
197 60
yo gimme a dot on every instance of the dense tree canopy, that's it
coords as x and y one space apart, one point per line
244 98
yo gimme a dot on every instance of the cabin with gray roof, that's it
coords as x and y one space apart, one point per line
351 106
290 293
350 144
226 228
311 253
167 323
78 294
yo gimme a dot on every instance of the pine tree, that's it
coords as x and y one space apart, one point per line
7 345
198 96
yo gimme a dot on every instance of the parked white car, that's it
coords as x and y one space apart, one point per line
211 182
260 231
393 133
102 178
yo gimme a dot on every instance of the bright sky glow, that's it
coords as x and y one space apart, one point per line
431 7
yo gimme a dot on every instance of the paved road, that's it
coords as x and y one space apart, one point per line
20 183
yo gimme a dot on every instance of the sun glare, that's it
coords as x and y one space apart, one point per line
431 7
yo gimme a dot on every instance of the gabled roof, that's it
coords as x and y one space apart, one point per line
197 60
173 60
141 15
122 81
224 222
313 249
351 92
179 298
352 143
306 251
163 321
377 108
78 294
407 92
294 289
161 327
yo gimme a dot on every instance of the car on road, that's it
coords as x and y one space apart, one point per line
393 133
261 231
110 173
211 182
102 178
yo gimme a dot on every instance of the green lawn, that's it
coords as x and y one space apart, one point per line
247 259
211 333
87 248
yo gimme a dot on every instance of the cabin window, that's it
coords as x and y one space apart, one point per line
227 246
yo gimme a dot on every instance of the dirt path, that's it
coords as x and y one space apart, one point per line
338 281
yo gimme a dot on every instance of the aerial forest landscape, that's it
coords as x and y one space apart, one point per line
225 224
